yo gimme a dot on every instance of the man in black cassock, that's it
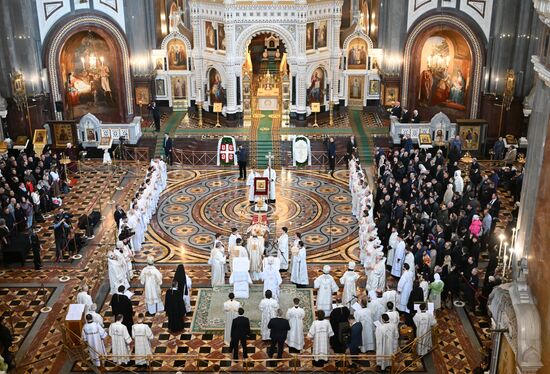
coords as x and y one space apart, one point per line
121 304
175 308
340 326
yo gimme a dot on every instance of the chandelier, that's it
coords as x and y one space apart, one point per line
438 62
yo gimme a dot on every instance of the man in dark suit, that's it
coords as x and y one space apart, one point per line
156 114
279 329
415 117
356 337
351 148
119 214
240 329
242 159
168 148
494 206
396 110
406 116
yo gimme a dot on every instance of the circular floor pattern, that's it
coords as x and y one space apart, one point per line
195 208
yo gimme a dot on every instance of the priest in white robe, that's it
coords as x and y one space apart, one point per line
94 335
250 183
392 244
424 323
409 259
320 331
151 279
232 240
142 335
377 275
83 298
255 249
386 336
240 277
364 315
237 251
120 341
271 276
96 316
299 274
268 307
217 263
295 316
404 288
326 287
231 310
272 175
349 281
394 318
282 252
117 272
398 258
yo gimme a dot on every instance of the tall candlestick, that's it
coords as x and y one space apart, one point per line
511 255
501 237
505 259
513 237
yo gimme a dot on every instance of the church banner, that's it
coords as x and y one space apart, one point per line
301 151
226 151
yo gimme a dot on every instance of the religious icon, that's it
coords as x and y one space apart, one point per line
374 87
391 95
424 139
356 87
160 88
159 63
217 92
315 92
39 136
221 36
210 35
105 142
321 35
62 134
470 136
309 35
178 87
142 95
357 54
177 55
90 135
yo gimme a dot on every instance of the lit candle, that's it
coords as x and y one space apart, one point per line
512 252
505 258
501 237
513 237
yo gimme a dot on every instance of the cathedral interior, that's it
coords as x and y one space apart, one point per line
367 111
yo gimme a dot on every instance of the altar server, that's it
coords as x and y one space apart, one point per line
142 335
268 307
120 341
295 316
349 280
231 310
282 253
151 279
94 335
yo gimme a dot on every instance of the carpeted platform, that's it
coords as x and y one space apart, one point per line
209 315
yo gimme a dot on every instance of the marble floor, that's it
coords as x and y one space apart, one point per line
196 205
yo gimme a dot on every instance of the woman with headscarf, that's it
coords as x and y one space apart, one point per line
436 288
458 182
448 196
184 285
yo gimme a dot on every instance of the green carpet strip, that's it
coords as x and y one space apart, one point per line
365 151
170 128
264 142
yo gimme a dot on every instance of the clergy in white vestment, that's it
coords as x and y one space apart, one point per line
398 257
295 316
390 295
282 251
255 249
232 240
151 279
404 288
326 287
386 336
120 341
392 244
271 276
83 298
240 277
117 272
377 275
107 157
424 323
93 335
231 309
364 315
377 305
320 331
142 335
349 280
268 306
409 259
270 173
237 251
299 274
217 263
394 319
128 257
134 225
250 183
93 312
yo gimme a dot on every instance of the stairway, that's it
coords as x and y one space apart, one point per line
264 141
364 140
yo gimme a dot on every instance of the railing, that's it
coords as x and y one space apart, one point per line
209 158
294 363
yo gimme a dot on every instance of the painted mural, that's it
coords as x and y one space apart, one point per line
444 74
178 88
310 32
177 55
89 66
315 92
217 92
321 35
357 54
221 36
210 35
